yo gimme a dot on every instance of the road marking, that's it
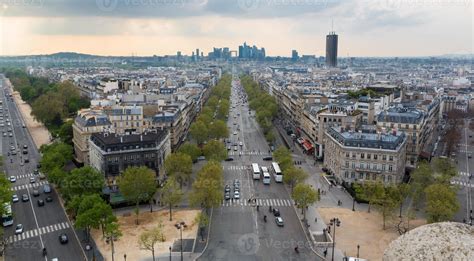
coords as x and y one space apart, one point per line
464 173
38 232
462 183
260 202
33 185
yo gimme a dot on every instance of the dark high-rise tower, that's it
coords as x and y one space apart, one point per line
331 49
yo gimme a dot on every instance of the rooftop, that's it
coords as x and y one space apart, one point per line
401 114
361 139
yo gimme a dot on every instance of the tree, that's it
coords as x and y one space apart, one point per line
294 176
207 188
171 194
65 132
421 178
179 166
218 129
88 214
199 132
283 156
149 238
215 150
203 221
5 192
387 201
55 155
57 176
304 195
441 203
190 149
82 181
112 233
137 184
48 109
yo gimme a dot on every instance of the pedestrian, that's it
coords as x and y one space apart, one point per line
325 252
315 220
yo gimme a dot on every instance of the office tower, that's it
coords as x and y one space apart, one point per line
331 49
197 54
294 55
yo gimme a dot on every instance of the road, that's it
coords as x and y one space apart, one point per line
238 230
466 172
42 225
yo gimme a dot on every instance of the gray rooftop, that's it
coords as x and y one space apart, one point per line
367 140
401 115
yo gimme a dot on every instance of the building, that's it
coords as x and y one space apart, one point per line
331 49
87 122
111 154
294 56
358 156
125 119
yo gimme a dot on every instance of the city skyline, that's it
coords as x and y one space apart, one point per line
145 28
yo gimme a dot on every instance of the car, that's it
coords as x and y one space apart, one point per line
32 180
36 193
229 159
470 136
4 134
227 188
469 155
229 147
236 194
49 199
12 148
25 146
236 148
12 179
268 158
279 221
276 212
235 123
15 198
25 198
27 160
63 239
25 152
236 188
36 171
235 133
201 158
10 135
240 153
46 188
241 143
18 229
236 181
40 202
227 195
23 126
13 152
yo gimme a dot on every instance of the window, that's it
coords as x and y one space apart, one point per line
374 176
346 174
347 154
362 155
384 157
353 165
390 168
362 165
383 167
390 158
361 175
353 155
375 156
347 164
389 178
368 155
353 175
374 166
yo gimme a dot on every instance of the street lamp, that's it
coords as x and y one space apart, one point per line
353 204
358 247
335 222
125 257
170 253
180 226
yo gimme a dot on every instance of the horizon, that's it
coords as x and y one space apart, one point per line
368 28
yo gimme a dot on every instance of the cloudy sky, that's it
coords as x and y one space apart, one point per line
147 27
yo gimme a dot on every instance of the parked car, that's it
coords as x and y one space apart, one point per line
12 179
268 158
15 198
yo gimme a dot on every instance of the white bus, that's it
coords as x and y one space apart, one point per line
278 175
7 217
256 171
266 178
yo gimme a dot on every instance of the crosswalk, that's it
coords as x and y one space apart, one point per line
464 174
23 176
38 231
260 202
237 167
464 151
246 153
33 185
462 183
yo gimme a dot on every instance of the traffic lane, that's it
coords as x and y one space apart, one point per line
70 251
22 214
45 214
28 249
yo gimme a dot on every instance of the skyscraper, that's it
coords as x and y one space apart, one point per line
294 56
331 49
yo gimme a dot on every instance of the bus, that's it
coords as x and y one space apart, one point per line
278 175
7 217
266 178
256 171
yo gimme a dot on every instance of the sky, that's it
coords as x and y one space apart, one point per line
161 27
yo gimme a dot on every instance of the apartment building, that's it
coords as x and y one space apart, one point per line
87 122
365 155
125 118
111 154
